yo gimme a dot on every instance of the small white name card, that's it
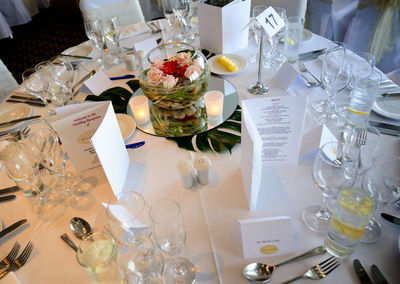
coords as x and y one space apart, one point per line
145 45
98 83
268 236
270 21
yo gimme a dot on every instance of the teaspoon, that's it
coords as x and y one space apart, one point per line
80 227
261 272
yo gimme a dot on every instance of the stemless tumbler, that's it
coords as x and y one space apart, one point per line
293 36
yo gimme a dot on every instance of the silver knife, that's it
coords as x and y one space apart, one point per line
7 197
377 275
311 54
76 56
19 120
28 102
9 190
391 218
386 128
12 227
361 273
87 76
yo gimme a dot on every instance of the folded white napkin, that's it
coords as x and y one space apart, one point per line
134 30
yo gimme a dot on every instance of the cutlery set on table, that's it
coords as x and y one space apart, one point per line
12 261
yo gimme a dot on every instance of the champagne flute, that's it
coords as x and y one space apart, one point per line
256 29
181 9
328 176
94 31
170 235
334 78
169 13
112 31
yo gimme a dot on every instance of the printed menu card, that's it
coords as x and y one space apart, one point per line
92 138
272 129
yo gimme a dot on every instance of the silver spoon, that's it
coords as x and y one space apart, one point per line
80 227
261 272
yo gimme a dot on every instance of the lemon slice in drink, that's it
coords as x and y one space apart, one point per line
289 41
98 255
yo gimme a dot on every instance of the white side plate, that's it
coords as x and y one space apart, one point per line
127 125
217 68
13 111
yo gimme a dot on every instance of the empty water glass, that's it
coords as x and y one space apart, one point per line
112 30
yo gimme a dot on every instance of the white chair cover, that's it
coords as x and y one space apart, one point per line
293 7
361 36
7 82
15 12
330 18
32 6
127 11
5 30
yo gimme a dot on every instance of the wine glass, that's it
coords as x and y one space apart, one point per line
63 73
57 92
181 9
256 29
169 13
112 31
23 167
36 87
328 176
383 178
94 31
334 77
275 56
170 235
129 223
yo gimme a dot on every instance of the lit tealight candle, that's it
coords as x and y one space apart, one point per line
214 104
140 109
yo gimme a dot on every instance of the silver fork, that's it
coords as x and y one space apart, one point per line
11 256
20 261
303 68
360 143
318 271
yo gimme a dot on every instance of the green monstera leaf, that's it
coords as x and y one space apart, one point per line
220 139
117 95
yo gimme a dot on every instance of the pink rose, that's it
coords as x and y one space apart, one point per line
154 75
157 63
169 81
183 58
193 72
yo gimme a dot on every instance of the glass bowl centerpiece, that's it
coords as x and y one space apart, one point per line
178 76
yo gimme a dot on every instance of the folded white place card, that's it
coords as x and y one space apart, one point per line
285 76
92 138
268 236
98 83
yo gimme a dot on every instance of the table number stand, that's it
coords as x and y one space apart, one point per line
271 23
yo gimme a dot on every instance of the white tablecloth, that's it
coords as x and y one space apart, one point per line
210 211
15 12
5 30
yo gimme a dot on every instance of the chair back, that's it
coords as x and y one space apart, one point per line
7 81
292 7
127 11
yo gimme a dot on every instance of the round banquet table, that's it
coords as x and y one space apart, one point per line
210 211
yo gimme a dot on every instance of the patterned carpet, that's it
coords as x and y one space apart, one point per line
50 32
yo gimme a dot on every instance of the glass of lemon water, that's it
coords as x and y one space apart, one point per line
292 39
98 255
354 206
